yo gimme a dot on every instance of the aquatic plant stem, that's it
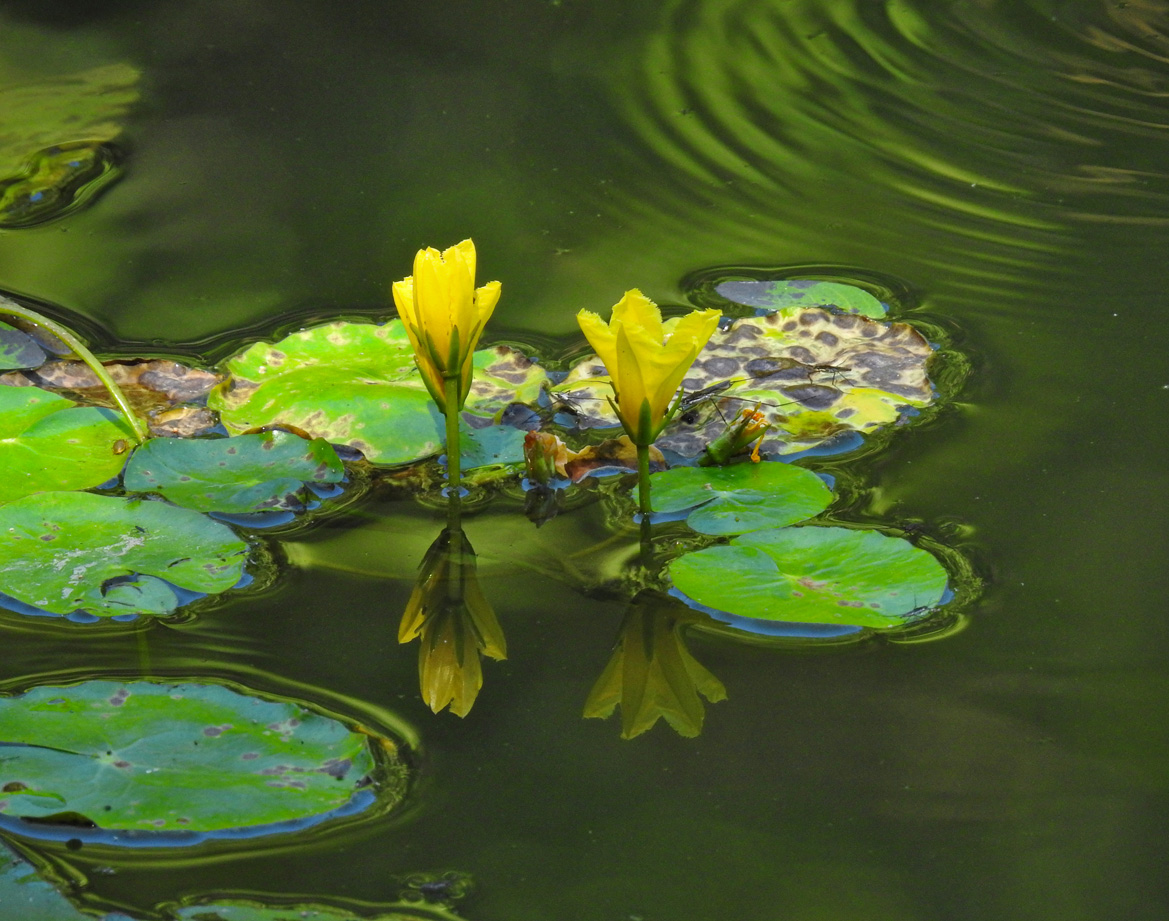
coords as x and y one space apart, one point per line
79 349
643 494
454 474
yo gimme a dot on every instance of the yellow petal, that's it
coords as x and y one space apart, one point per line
631 386
601 337
638 311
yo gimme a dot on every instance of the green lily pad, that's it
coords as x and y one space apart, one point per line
783 294
356 384
18 349
50 443
814 575
740 498
265 471
63 552
150 758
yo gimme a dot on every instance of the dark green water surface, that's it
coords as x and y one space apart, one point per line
1006 161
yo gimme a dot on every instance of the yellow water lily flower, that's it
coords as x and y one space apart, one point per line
444 315
646 358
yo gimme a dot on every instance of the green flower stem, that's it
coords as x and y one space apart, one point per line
79 349
454 474
643 494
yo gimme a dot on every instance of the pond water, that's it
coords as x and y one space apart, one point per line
1003 164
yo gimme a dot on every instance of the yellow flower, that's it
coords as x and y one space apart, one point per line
444 315
646 358
449 613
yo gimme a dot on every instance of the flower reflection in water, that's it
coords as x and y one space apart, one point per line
448 612
652 674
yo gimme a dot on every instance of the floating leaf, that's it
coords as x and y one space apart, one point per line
814 375
356 384
814 575
50 443
18 349
740 498
64 551
247 910
147 757
31 894
784 294
265 471
55 181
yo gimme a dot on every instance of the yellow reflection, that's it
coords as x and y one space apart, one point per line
455 623
652 674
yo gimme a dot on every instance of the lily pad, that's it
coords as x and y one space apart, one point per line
813 374
18 349
787 293
63 552
248 910
50 443
31 894
180 761
265 471
740 498
356 384
814 575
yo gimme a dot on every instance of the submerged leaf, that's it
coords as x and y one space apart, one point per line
248 473
740 498
62 552
18 349
50 443
799 293
814 575
149 757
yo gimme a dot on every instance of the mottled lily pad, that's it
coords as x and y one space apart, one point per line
181 761
356 384
740 498
800 293
813 374
50 443
18 349
62 552
814 575
265 471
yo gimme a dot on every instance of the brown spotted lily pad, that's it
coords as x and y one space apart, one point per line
813 374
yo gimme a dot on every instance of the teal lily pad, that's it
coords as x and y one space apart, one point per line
18 349
265 471
32 894
816 575
50 443
63 552
356 384
786 293
740 498
197 759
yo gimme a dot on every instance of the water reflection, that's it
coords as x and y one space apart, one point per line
652 675
454 622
